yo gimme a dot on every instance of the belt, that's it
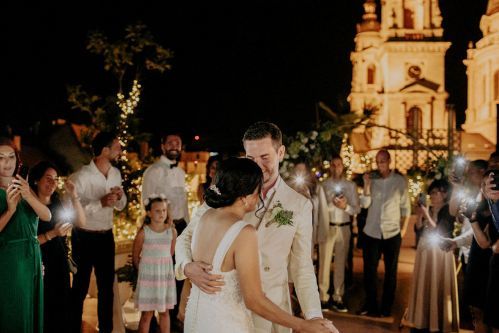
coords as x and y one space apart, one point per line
4 242
339 224
29 250
94 231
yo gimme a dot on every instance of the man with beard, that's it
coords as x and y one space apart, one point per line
98 185
165 177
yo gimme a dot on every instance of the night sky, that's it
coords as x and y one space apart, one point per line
235 62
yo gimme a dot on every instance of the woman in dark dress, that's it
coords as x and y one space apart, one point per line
52 238
477 270
487 238
211 169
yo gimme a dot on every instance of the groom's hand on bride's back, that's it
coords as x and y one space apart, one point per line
199 274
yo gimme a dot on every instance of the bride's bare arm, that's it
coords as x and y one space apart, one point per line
247 265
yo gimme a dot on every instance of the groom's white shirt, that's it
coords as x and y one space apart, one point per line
284 252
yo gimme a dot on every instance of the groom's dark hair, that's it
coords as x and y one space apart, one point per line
262 130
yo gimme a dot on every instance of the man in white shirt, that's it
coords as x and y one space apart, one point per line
334 235
98 185
387 198
165 177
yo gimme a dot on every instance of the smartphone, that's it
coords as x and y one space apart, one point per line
338 191
23 171
421 199
374 174
470 207
459 167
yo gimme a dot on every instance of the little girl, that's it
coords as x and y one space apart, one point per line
152 254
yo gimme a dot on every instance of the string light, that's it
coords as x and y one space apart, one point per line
127 107
416 186
126 222
346 154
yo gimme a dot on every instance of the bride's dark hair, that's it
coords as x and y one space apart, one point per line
235 178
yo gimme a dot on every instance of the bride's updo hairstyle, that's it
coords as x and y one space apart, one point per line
235 178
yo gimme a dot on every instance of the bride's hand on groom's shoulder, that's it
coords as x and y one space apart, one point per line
198 273
318 325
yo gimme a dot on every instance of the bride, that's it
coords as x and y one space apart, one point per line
230 244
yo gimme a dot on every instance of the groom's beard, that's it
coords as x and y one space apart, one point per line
173 154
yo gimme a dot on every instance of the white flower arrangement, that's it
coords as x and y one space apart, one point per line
280 216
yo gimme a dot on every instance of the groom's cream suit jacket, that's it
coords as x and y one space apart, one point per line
285 253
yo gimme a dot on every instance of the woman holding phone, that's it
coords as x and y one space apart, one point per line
21 292
433 302
52 237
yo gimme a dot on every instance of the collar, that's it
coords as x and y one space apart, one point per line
94 167
167 161
272 190
390 175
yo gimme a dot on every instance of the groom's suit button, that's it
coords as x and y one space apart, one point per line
266 268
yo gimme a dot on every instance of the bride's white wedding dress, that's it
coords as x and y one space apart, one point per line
223 312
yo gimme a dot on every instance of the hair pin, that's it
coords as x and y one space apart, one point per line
215 189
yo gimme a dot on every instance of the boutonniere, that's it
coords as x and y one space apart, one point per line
280 216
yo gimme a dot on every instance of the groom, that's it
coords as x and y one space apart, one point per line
284 246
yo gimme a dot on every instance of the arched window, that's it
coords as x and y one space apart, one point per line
409 14
371 74
414 14
414 121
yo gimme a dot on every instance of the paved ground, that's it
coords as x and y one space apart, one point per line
348 322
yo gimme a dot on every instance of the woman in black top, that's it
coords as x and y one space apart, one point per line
52 237
486 236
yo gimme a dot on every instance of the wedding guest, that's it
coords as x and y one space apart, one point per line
304 182
488 238
166 178
152 255
474 258
98 185
222 237
211 169
335 233
433 301
21 291
387 198
52 238
467 187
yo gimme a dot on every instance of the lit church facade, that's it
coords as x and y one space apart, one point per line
399 70
483 77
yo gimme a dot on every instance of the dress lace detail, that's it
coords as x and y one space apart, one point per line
224 312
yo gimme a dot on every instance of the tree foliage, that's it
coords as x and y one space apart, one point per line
127 58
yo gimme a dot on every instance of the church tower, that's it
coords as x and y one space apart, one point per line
483 77
398 67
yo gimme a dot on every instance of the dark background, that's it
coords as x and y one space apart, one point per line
235 62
